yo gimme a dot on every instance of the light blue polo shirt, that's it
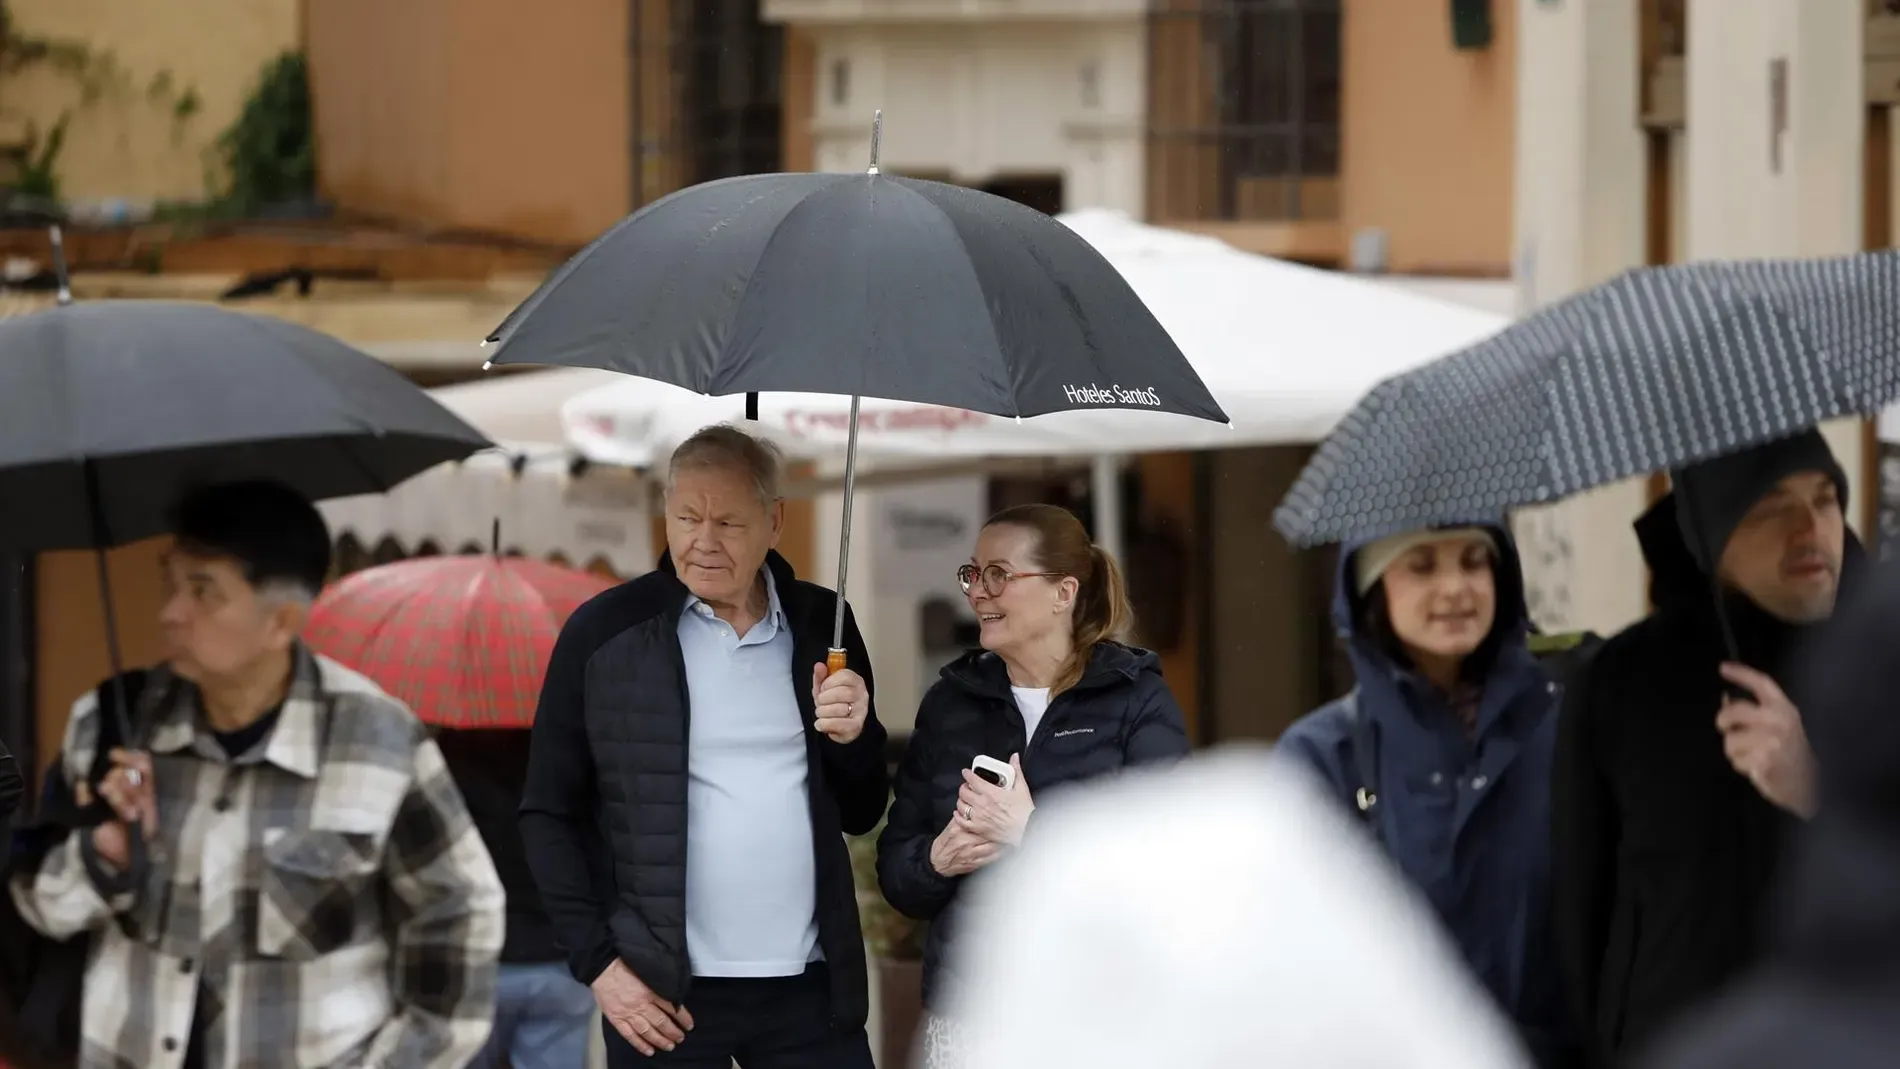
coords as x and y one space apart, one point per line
751 880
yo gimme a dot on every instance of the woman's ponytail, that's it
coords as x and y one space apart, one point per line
1102 614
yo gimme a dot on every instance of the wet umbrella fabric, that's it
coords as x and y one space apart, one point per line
858 284
464 641
126 404
1656 369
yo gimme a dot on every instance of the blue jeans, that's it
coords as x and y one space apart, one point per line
542 1020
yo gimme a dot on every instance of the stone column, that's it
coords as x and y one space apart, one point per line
1581 218
1777 116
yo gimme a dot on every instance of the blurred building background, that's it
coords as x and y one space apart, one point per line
401 172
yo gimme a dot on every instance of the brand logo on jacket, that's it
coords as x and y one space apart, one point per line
1073 731
1113 394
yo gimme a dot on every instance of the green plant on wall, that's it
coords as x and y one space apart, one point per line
268 153
99 74
39 174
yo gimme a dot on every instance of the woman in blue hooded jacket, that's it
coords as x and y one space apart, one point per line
1445 747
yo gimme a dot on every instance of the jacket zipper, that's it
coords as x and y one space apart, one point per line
671 639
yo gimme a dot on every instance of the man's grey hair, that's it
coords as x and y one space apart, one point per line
286 591
724 447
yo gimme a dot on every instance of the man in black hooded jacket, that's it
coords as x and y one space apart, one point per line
1827 990
1681 761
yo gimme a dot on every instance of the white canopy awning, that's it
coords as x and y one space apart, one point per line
1286 350
542 509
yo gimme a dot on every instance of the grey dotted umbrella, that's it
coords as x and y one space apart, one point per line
1655 369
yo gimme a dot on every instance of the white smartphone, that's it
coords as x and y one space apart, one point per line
997 772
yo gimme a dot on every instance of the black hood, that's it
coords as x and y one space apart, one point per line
1676 580
1681 590
1111 664
1713 496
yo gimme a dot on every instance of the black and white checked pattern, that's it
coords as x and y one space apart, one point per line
1658 368
328 888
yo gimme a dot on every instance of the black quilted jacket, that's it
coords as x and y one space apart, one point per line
603 813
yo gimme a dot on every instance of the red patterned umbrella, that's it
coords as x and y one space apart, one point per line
463 640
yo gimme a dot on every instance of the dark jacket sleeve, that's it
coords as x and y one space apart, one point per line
1157 731
558 806
1583 847
856 771
904 874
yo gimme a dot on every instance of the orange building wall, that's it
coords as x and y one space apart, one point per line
72 656
1427 136
474 114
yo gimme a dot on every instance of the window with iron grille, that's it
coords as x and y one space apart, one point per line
1243 109
706 93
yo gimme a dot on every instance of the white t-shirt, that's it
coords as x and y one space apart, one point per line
1033 701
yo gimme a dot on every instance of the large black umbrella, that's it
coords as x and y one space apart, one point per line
116 408
1656 369
866 285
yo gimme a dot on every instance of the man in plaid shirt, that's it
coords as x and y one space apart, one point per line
314 892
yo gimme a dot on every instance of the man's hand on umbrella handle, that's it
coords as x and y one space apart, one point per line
1765 741
128 789
842 702
642 1018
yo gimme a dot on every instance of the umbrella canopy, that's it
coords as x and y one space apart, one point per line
115 408
463 640
1288 350
862 285
1656 369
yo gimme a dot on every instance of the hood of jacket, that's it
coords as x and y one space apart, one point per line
1511 625
1682 591
1111 664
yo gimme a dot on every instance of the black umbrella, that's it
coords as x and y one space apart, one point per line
866 285
116 408
1656 369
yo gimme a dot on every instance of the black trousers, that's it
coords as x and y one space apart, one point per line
780 1022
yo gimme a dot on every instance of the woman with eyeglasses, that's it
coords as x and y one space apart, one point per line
1052 694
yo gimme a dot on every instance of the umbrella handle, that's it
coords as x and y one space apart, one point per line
835 661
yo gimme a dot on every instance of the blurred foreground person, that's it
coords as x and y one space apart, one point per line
1682 760
1219 915
1444 746
1051 693
309 889
1827 994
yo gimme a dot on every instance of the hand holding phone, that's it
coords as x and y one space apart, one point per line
993 771
994 802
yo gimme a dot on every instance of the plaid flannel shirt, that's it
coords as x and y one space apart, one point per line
327 887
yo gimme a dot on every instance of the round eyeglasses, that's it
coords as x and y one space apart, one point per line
993 578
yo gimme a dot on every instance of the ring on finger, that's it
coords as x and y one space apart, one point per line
133 777
966 812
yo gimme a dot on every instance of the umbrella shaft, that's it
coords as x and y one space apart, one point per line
102 538
844 530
